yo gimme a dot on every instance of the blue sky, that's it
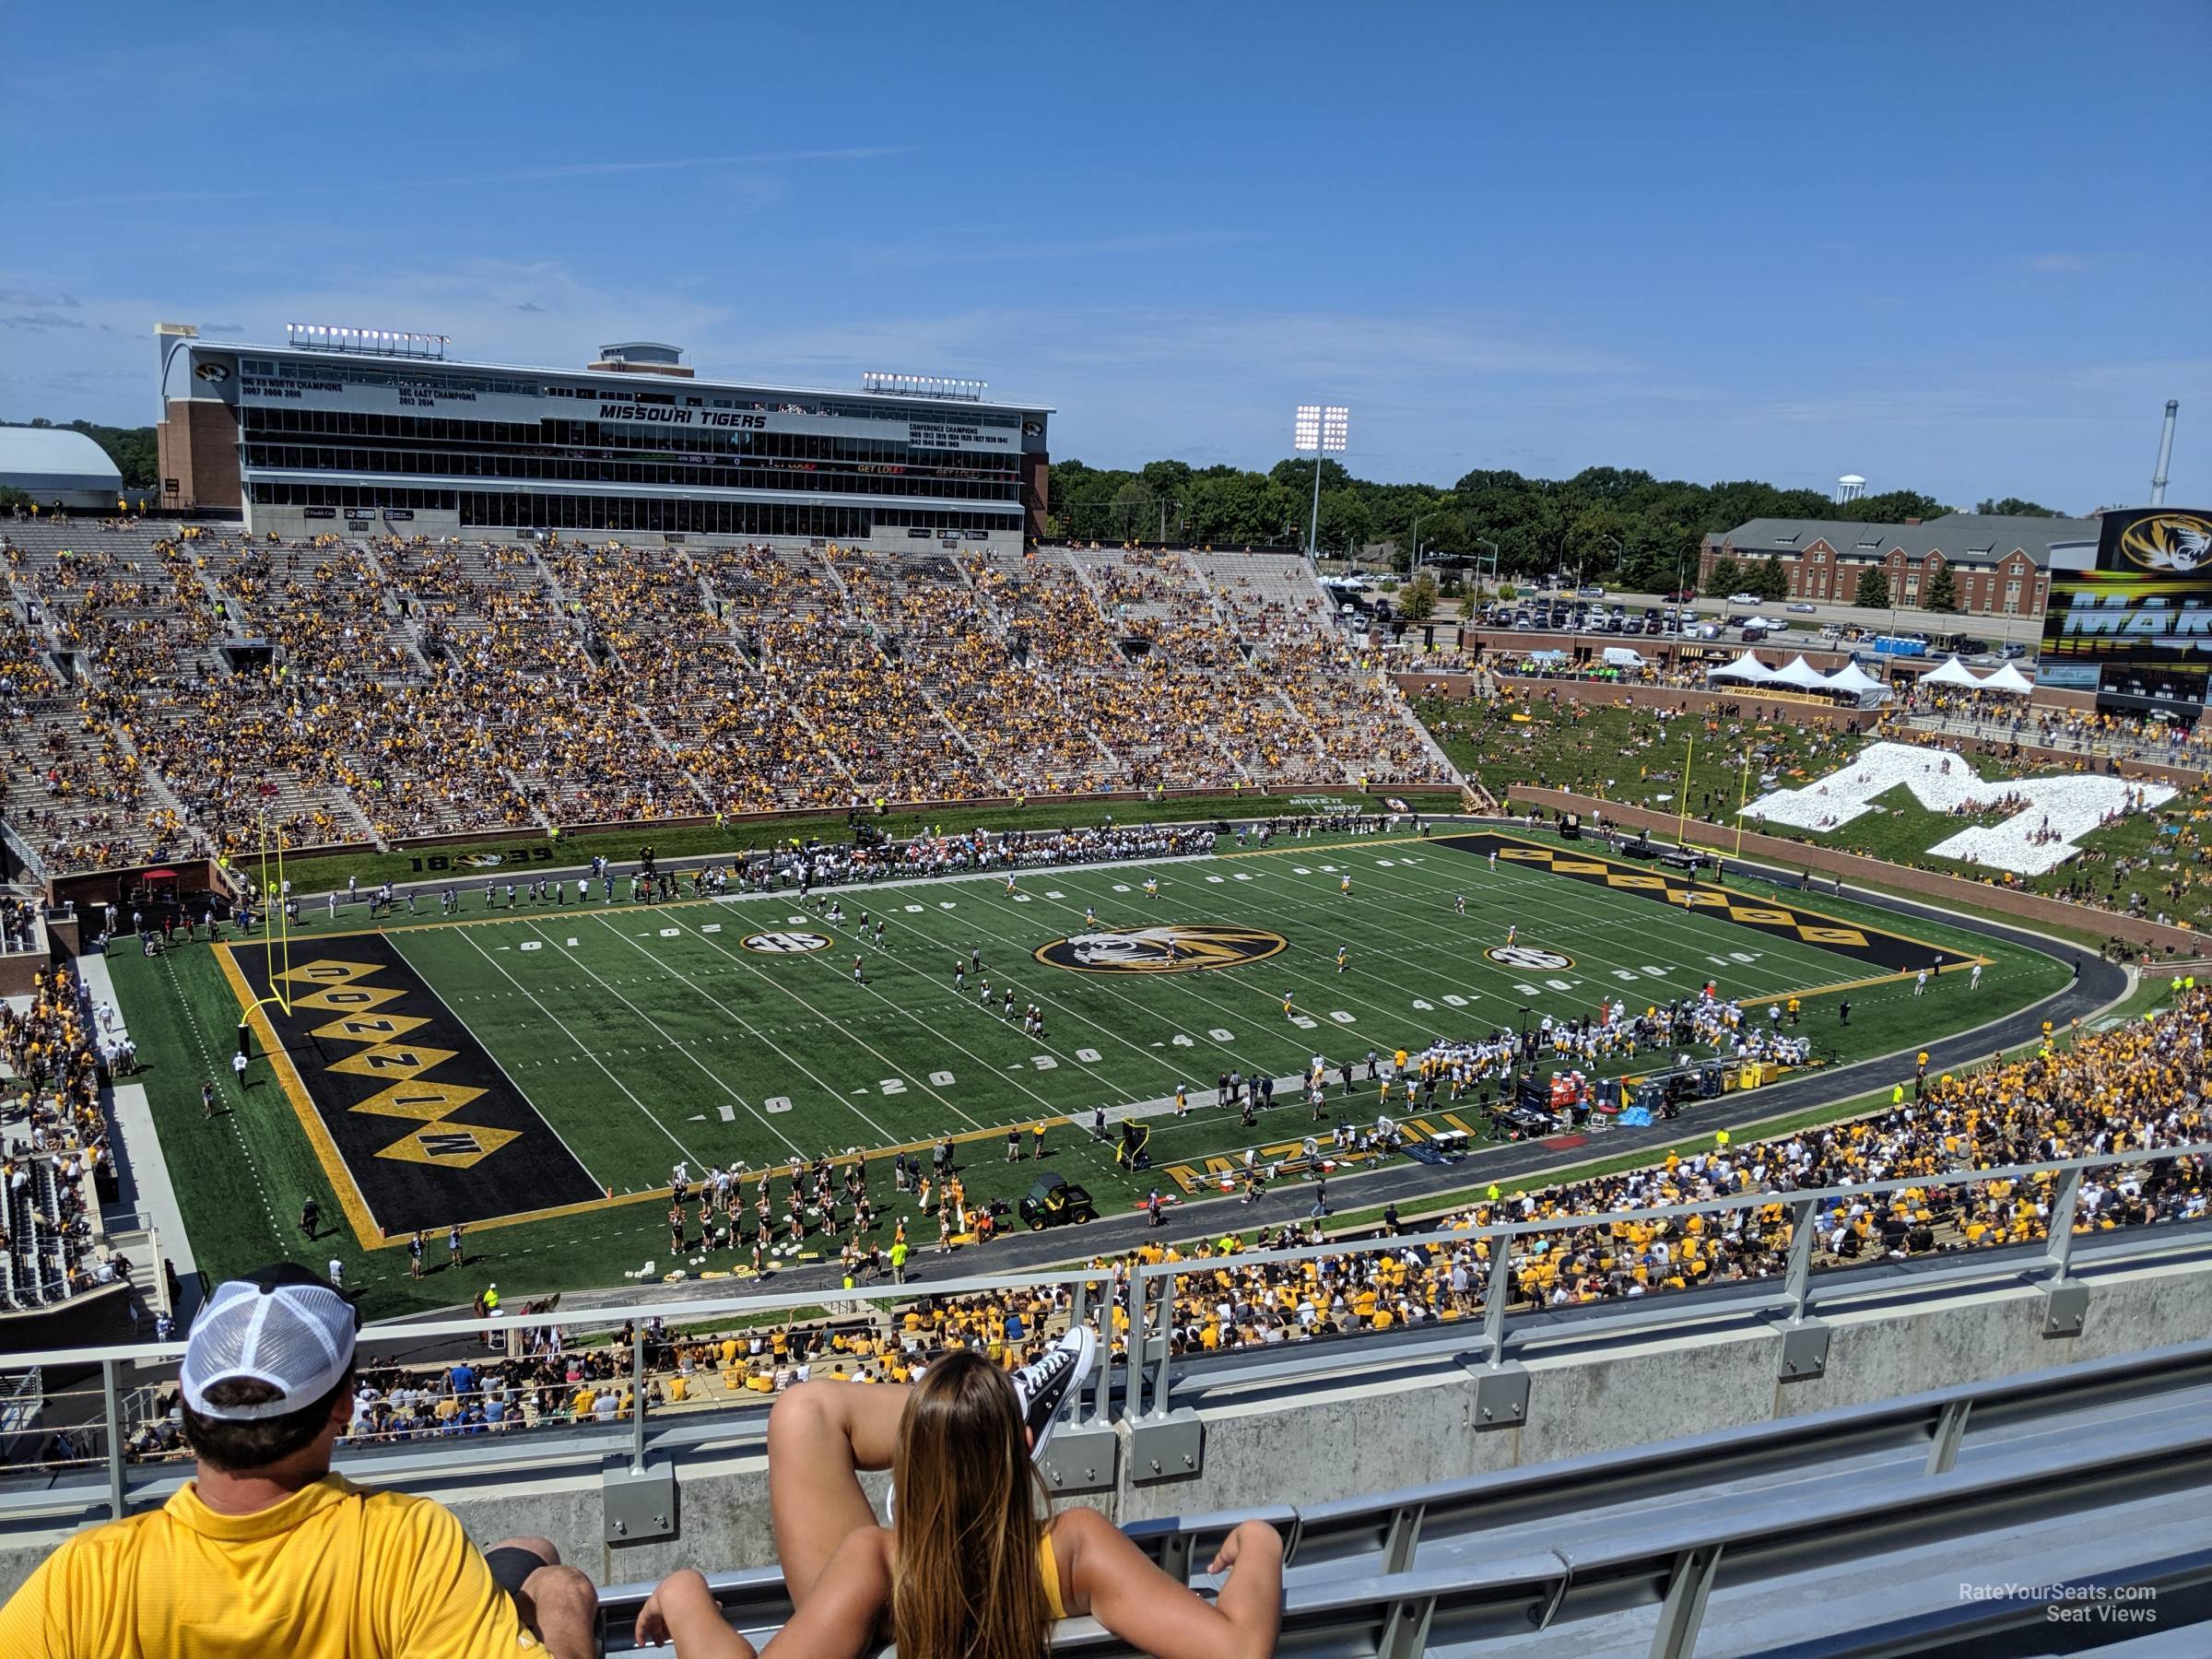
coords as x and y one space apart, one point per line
1960 247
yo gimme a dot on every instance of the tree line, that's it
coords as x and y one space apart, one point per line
1611 524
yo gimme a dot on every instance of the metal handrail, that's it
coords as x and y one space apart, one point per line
1667 1565
1152 1286
1150 1290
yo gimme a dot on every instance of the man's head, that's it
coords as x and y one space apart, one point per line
268 1371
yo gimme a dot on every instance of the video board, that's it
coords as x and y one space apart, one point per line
2140 624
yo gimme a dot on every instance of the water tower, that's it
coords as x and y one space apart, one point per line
1850 488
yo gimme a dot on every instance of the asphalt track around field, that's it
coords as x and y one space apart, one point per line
2098 984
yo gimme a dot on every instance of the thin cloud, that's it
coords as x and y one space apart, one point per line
582 170
41 320
951 251
40 301
2060 264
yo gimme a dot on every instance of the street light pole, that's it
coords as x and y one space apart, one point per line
1492 545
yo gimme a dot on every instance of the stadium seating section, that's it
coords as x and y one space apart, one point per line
175 686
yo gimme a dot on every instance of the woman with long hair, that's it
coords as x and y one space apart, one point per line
971 1566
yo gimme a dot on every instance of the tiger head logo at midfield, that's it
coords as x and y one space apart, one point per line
2180 543
1173 949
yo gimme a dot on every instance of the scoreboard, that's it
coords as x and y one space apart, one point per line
2138 628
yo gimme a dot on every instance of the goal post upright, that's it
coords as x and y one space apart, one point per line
275 926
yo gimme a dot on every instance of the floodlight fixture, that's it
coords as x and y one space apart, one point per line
1319 430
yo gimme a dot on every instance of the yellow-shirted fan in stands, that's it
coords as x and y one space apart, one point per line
267 1552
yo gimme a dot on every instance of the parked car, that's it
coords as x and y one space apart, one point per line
1832 631
1802 608
1752 636
1592 592
1743 598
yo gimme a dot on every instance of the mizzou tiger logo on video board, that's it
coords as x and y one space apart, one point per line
1176 947
2172 544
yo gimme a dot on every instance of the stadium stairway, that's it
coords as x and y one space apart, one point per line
1951 1522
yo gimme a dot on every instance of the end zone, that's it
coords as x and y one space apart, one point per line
414 1123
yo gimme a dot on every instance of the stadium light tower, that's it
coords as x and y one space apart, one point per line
1320 430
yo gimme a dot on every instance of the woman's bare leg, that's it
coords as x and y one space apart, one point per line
821 1435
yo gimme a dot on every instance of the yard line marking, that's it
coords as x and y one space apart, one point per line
592 1057
757 974
819 1080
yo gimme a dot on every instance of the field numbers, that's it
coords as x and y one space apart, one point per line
530 944
777 1102
1561 985
1527 990
1180 1040
1044 1063
1340 1016
1453 1000
944 905
1121 887
572 943
1744 955
1216 880
796 920
917 910
1219 1035
891 1086
1301 870
1087 1055
1384 863
672 933
727 1112
1302 1022
709 927
1422 1008
940 1079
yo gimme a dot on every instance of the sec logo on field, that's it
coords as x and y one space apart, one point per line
1528 957
783 944
1172 949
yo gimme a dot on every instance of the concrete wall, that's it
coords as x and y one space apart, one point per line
1369 1430
2030 908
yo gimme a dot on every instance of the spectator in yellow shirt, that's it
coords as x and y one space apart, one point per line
266 1551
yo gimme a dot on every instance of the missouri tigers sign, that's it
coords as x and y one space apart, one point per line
1174 948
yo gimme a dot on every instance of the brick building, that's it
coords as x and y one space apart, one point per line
2000 566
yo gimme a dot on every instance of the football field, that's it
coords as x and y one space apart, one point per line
537 1072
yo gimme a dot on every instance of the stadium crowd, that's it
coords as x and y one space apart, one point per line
56 1142
181 686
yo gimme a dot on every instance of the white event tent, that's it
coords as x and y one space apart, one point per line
1745 668
1953 673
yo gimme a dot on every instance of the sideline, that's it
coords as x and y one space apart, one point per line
143 1167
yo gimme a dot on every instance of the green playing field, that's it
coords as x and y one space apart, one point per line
537 1072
